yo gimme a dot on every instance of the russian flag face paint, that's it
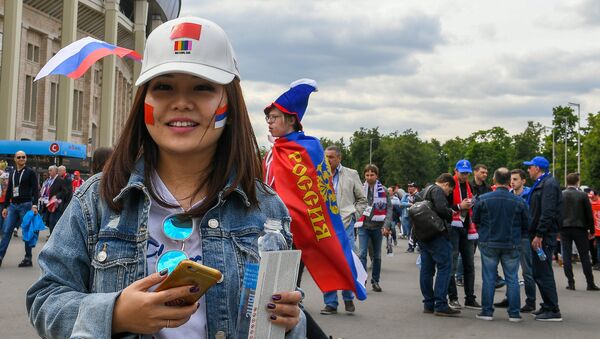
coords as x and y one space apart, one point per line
221 116
148 114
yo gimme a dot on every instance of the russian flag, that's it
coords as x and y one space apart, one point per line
76 58
221 117
304 183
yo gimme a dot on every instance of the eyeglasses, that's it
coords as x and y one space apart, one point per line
21 157
178 228
274 118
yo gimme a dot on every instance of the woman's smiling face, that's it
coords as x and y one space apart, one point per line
180 113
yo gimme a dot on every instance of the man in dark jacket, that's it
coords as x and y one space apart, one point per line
578 226
436 254
545 207
501 218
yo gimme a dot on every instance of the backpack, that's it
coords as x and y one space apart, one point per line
426 223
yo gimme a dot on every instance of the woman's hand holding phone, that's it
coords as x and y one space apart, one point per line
137 310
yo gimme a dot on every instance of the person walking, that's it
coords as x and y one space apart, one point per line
545 207
578 227
501 218
22 195
351 202
374 223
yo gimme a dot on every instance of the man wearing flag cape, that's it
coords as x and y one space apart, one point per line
296 168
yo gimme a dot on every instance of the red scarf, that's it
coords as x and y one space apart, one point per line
457 198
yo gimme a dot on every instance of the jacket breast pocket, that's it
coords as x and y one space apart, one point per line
114 264
246 246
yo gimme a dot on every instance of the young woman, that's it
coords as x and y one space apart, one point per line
187 154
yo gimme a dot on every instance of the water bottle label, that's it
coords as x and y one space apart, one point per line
247 299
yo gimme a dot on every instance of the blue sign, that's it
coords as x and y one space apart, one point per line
49 148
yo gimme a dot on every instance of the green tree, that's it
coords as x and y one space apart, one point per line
564 124
526 144
591 153
490 147
363 143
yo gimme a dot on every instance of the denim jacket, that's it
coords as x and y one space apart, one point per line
502 219
76 293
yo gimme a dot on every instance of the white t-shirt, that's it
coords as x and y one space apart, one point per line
159 243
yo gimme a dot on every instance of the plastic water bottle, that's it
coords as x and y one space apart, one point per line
541 254
272 239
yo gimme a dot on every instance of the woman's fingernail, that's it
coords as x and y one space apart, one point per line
271 306
273 317
194 289
276 297
163 272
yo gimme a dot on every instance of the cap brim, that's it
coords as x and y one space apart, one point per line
462 170
528 163
216 75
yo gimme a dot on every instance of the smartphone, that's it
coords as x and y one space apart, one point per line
191 273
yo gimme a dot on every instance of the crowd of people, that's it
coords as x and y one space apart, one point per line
21 192
188 153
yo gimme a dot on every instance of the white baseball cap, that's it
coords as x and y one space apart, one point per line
189 45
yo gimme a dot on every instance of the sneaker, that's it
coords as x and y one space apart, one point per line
460 282
449 312
502 304
376 287
527 309
473 305
454 304
481 316
596 267
16 233
26 263
349 306
571 286
549 316
328 310
593 287
427 310
538 312
515 318
500 283
410 250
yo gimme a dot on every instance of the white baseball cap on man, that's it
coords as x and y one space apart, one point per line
189 45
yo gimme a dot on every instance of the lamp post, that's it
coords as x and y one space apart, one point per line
553 149
578 137
370 148
566 125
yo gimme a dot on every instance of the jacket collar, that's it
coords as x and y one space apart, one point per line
136 180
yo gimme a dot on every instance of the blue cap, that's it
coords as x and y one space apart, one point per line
538 161
464 166
295 100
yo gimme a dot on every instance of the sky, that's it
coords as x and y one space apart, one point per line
441 68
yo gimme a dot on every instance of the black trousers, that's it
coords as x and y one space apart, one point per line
579 236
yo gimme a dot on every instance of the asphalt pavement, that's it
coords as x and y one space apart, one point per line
394 313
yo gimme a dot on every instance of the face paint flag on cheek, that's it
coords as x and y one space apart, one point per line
221 117
148 114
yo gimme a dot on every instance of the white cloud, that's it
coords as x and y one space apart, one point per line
444 69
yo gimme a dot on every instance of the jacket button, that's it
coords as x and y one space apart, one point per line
220 335
213 223
101 256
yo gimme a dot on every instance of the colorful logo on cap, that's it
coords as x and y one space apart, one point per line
185 30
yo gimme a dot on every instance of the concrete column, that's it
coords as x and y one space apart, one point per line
108 74
139 33
9 86
64 118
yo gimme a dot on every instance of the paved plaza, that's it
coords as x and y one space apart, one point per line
394 313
